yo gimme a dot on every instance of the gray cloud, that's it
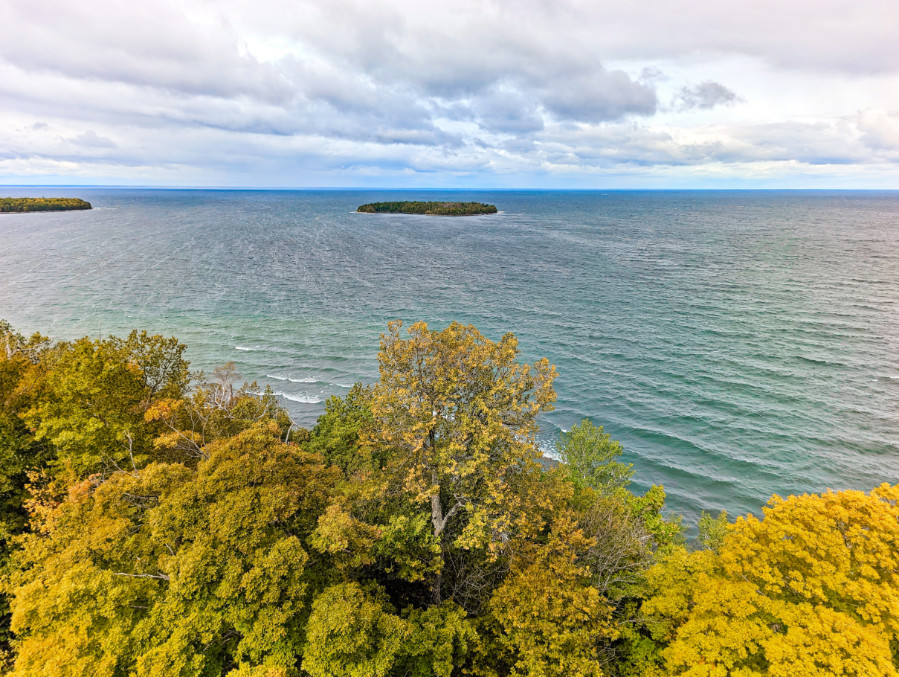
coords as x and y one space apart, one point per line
705 95
639 145
598 96
90 139
148 44
505 109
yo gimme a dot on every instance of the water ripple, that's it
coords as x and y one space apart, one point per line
738 343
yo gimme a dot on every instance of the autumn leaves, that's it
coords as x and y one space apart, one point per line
158 522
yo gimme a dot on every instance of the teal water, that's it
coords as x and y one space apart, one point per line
739 344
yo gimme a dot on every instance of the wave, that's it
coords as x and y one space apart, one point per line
244 348
548 449
281 377
303 399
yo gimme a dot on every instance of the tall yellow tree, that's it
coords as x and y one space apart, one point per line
458 413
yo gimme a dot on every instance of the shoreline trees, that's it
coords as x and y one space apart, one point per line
41 204
428 208
159 522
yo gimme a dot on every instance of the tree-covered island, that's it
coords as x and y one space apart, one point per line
429 208
9 205
156 522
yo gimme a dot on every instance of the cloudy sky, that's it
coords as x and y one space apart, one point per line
451 93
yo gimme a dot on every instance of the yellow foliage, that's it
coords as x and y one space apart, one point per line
552 619
352 633
459 414
839 549
348 540
259 671
174 570
810 590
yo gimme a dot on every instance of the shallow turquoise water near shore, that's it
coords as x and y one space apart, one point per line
739 344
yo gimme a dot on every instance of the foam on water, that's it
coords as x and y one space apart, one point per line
300 397
305 379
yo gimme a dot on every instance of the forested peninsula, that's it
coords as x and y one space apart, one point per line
157 521
429 208
41 204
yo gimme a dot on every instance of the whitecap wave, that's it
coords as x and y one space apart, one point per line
302 399
282 377
245 349
549 450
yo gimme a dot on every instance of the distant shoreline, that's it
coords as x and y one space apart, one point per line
23 205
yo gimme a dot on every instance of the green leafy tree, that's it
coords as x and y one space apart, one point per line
95 396
440 643
338 432
591 456
713 530
353 632
21 377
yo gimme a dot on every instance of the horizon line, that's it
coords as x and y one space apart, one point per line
431 189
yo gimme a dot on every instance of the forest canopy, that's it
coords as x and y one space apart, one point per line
158 521
429 208
41 204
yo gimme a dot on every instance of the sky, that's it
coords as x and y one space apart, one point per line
451 93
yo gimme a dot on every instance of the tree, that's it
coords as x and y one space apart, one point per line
215 410
338 432
458 414
353 633
713 530
172 570
21 376
95 395
552 619
811 589
21 380
442 640
591 456
412 533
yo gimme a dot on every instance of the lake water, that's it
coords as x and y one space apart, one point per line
739 344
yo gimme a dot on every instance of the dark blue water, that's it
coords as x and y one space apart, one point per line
739 344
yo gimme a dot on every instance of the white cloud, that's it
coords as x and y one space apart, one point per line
880 129
286 93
